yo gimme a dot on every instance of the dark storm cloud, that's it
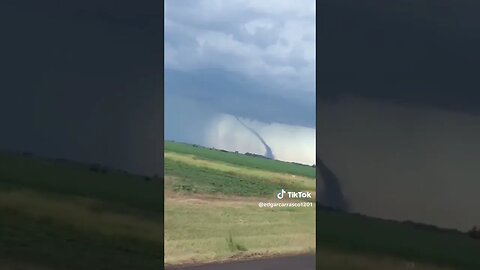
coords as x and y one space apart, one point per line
243 57
423 52
83 81
398 107
231 93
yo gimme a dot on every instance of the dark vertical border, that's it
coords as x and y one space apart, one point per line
317 124
162 137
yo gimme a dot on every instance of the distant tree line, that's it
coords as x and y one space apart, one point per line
255 155
98 168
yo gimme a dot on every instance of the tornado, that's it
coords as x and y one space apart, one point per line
332 196
268 150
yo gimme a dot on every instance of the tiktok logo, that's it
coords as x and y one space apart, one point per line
281 194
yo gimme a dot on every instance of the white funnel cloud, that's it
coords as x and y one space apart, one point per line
288 142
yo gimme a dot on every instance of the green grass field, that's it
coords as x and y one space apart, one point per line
373 237
241 160
59 216
212 212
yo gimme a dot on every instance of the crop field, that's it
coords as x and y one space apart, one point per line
373 242
241 160
62 216
58 215
212 212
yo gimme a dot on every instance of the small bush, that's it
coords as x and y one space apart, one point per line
185 188
232 245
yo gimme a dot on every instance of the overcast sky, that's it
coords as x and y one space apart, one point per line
251 59
82 80
423 52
